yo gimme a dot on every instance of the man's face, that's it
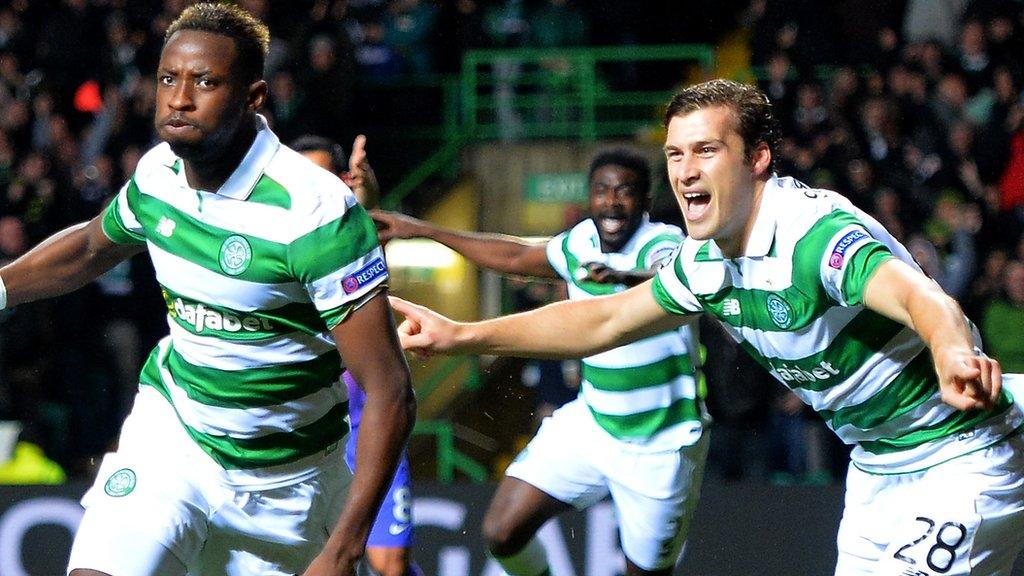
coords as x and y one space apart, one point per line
711 177
200 101
616 205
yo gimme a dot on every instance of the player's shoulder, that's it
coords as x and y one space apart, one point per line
158 162
311 190
798 207
655 231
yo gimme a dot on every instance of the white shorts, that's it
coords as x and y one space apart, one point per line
964 516
654 494
158 508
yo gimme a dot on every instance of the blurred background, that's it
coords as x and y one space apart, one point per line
483 115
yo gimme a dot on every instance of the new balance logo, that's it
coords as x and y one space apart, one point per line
166 226
731 307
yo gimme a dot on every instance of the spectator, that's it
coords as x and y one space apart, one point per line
1003 318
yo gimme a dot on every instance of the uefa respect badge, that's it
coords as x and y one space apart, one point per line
120 483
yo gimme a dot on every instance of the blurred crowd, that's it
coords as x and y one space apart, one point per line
912 108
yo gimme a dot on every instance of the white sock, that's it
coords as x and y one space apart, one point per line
532 560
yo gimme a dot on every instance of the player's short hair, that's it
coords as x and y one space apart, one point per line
313 143
252 37
630 160
756 121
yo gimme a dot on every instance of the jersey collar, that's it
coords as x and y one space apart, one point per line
240 184
762 236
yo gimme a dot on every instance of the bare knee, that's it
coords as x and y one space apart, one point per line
389 561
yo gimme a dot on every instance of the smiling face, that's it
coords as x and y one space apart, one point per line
201 101
617 205
716 184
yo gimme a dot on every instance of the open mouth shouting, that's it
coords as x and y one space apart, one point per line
695 205
612 224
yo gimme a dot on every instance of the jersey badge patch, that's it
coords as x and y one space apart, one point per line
120 483
235 255
835 260
780 311
375 269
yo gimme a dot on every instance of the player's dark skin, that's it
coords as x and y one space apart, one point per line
207 112
617 204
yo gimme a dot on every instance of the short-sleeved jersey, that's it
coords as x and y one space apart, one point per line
647 394
794 301
254 277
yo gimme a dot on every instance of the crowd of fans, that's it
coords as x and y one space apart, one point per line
912 108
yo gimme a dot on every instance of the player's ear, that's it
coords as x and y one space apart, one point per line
256 95
761 159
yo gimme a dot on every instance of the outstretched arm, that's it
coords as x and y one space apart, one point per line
506 254
967 380
370 347
567 329
64 262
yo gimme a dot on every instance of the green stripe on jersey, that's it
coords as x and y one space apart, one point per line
638 377
201 243
662 296
346 240
649 423
572 264
268 191
958 422
641 257
113 222
861 338
252 388
270 450
204 319
914 385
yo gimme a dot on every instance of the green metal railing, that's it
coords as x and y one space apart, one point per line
550 92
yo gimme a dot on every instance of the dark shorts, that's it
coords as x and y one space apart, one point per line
393 526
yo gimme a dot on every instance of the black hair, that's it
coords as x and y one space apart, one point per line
252 38
628 159
312 142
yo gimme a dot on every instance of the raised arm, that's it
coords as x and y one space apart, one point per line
64 262
968 380
506 254
360 177
372 353
567 329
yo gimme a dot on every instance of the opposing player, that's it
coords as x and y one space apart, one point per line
389 546
637 429
836 309
273 277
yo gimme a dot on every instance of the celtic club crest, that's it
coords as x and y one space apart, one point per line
235 255
120 483
780 311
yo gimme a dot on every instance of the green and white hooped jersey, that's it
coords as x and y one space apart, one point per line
254 277
648 393
794 301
